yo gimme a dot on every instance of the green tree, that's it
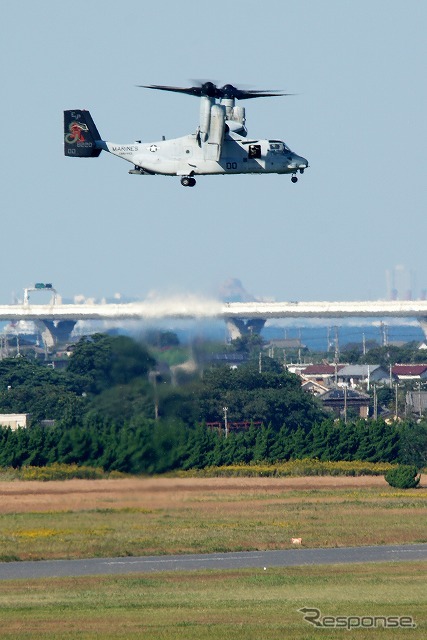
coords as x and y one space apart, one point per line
201 443
109 360
413 443
299 445
403 477
271 397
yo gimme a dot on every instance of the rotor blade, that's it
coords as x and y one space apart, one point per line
190 91
206 89
245 95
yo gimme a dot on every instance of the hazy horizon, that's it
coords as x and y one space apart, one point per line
350 229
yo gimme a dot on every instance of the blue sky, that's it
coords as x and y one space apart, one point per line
359 116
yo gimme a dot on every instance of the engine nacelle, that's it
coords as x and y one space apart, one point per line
205 117
217 128
216 133
239 115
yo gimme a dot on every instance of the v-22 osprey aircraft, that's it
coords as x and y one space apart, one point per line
220 144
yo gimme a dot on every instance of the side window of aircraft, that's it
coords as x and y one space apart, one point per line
254 151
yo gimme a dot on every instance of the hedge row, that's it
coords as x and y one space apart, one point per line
304 467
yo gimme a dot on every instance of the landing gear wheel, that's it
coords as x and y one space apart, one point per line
294 179
188 181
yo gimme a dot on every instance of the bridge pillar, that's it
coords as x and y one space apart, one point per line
423 323
53 332
238 327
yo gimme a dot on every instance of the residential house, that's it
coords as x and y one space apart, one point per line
404 372
354 375
416 402
341 400
314 387
285 343
323 373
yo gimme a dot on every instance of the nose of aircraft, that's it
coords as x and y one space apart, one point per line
295 164
298 163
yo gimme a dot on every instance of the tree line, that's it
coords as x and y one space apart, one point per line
113 409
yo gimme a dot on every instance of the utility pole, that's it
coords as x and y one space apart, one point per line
337 347
395 400
3 347
152 376
384 334
225 409
364 344
260 362
345 404
375 403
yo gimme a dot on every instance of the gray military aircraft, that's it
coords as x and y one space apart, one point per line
219 146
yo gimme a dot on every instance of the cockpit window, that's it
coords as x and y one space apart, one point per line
277 146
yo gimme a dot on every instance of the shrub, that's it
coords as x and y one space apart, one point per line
57 471
304 467
404 476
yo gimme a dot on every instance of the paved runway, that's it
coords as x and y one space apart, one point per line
241 560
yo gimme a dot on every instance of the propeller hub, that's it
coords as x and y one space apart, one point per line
208 89
228 91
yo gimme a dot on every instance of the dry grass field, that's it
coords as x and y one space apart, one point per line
137 516
147 516
162 492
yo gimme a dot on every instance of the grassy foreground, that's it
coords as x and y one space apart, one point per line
195 516
247 604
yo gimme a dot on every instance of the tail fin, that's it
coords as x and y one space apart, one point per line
80 135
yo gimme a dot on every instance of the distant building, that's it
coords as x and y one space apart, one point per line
416 401
15 420
409 372
47 423
358 374
314 387
340 400
321 372
295 367
285 343
231 358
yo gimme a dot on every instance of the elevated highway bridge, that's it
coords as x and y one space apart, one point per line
56 321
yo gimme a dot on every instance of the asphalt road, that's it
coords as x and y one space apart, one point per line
241 560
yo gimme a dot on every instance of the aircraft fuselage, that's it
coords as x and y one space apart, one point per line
187 156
